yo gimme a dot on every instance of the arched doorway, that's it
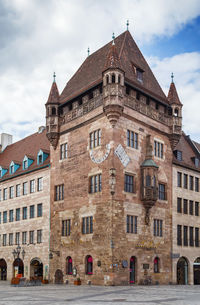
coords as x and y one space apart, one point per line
196 268
18 267
3 270
69 265
132 270
58 277
89 265
36 269
182 271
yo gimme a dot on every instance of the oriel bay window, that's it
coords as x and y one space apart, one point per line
59 192
95 183
87 225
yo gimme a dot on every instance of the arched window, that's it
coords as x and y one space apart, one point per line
176 112
113 78
69 265
156 264
89 265
53 111
107 79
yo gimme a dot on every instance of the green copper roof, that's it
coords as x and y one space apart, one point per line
149 163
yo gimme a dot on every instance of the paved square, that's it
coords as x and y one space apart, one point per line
84 295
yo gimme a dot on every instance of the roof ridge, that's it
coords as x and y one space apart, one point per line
120 53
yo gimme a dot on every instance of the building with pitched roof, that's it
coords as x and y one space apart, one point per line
25 207
112 132
185 213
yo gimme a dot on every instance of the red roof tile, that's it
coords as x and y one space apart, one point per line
173 95
90 72
28 146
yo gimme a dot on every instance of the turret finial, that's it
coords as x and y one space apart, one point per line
172 77
88 51
113 38
54 77
127 24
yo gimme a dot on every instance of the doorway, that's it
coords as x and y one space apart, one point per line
182 271
18 267
196 269
3 270
132 270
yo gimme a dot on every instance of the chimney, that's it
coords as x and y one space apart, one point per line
5 140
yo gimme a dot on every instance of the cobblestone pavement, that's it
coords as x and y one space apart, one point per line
96 295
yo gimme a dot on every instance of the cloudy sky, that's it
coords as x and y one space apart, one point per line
38 37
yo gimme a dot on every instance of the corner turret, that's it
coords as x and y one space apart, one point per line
52 115
113 85
176 107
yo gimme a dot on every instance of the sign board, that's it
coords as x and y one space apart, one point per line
175 255
122 155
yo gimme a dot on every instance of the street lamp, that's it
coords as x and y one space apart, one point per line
16 254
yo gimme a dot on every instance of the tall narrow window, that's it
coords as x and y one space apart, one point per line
66 227
24 238
4 240
185 181
17 214
25 189
87 225
196 237
158 149
129 183
95 183
89 265
132 139
63 151
158 227
39 236
39 210
31 237
59 192
196 208
69 265
32 186
10 239
191 207
11 216
17 190
161 191
179 205
196 184
185 206
5 194
95 138
17 238
156 265
24 213
185 236
32 211
191 236
179 179
11 192
131 224
40 184
179 235
191 183
5 217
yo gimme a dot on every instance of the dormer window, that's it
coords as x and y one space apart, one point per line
139 75
12 169
3 171
27 161
41 157
196 161
178 155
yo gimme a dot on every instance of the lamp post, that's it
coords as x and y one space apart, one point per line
16 254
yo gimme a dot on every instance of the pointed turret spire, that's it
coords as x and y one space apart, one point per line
172 94
112 60
54 93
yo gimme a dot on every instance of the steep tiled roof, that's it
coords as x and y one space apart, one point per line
28 146
112 60
188 152
197 145
53 95
173 95
90 72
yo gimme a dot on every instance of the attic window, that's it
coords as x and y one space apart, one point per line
178 154
12 169
25 164
196 161
139 75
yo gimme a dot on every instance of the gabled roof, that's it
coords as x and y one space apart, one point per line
28 146
173 95
185 145
53 95
90 72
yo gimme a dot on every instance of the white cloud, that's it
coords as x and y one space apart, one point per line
40 37
186 68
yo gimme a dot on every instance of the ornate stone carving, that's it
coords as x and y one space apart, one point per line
113 112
